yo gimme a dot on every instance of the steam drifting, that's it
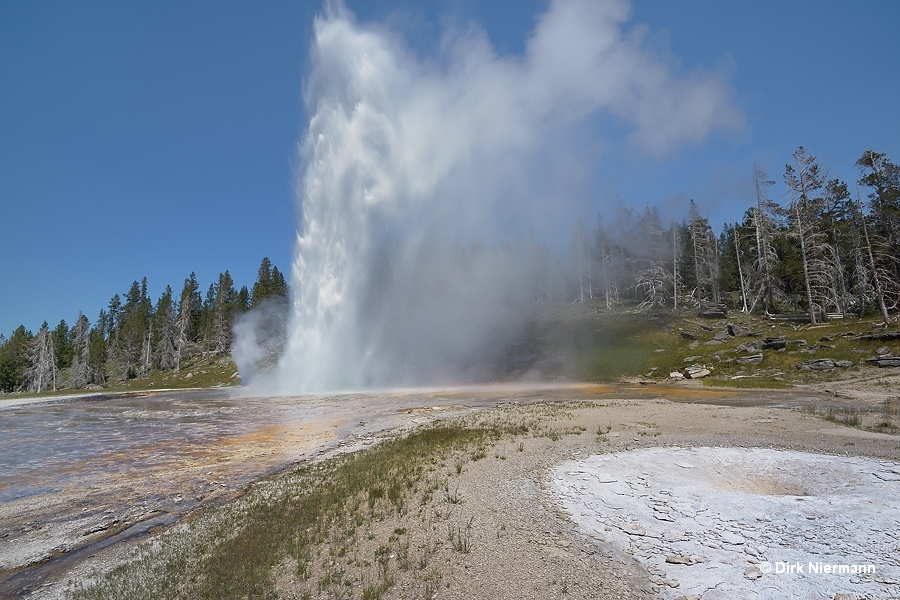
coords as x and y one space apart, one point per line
414 166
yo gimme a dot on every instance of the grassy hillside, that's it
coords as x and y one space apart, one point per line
599 345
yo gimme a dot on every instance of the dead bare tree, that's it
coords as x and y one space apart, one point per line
737 257
802 182
765 230
879 290
41 372
583 260
704 257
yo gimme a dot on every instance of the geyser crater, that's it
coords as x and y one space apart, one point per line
710 522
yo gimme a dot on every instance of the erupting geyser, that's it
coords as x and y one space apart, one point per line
422 177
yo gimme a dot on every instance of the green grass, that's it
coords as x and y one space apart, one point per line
203 371
609 346
598 345
760 382
200 372
319 527
878 419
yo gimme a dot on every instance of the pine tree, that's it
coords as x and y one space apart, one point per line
223 313
279 285
98 346
62 344
166 331
132 350
14 359
184 324
81 360
270 283
243 299
263 288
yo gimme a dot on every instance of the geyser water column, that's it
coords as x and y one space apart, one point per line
410 164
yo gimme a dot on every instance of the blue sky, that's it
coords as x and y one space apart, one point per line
156 139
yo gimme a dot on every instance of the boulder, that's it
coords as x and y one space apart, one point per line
749 360
775 343
883 351
722 335
884 336
716 311
696 371
885 361
844 364
816 364
737 330
688 335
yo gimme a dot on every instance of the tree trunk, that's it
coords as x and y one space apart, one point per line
879 294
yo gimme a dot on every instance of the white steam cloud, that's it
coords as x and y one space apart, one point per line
409 162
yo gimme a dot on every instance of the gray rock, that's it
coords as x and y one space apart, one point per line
696 371
718 311
882 336
775 343
688 335
722 335
885 361
843 363
816 364
738 331
884 350
749 360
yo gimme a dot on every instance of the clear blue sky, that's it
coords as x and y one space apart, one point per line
156 139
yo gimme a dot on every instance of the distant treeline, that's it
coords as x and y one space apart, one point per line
132 335
824 251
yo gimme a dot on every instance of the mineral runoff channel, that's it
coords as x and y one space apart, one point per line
81 474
